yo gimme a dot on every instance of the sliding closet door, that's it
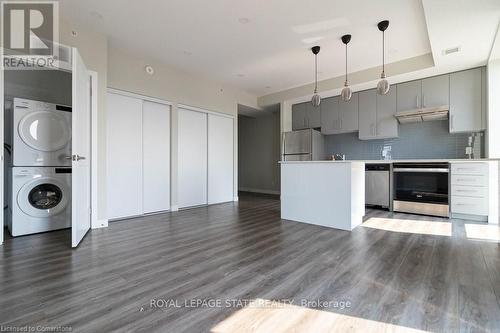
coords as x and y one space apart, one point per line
124 151
220 159
156 153
192 150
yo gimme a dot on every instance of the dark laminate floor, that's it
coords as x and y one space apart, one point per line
243 251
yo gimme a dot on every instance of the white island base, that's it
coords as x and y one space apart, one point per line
330 194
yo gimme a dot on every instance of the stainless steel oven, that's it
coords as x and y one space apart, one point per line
421 188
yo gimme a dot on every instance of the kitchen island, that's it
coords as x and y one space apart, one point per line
326 193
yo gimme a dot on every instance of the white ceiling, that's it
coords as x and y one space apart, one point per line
260 46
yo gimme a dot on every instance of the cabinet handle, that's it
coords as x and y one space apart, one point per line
340 123
423 98
466 191
451 120
416 100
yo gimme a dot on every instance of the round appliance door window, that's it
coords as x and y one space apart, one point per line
43 197
45 131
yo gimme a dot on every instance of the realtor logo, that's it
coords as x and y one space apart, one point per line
30 31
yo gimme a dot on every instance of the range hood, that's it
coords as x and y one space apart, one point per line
424 114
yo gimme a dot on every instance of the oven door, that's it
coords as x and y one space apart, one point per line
426 185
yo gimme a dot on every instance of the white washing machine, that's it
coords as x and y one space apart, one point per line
41 133
40 199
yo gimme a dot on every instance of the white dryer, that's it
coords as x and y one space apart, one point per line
41 134
40 199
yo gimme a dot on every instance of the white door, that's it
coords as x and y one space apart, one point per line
156 157
192 166
220 159
81 136
124 151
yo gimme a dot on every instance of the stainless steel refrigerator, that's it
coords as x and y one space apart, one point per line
303 145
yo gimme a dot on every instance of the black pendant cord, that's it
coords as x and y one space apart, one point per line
346 63
383 53
315 73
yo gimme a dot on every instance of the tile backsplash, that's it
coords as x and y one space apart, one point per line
416 140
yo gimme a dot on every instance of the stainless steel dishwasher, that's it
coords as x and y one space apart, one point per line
377 184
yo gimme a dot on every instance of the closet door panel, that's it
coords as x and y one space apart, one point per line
124 151
192 158
220 159
156 157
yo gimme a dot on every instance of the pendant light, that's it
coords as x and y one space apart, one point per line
383 85
316 99
346 92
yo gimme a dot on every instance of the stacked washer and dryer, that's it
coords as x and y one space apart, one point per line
38 166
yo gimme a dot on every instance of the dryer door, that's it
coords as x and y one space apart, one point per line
45 131
43 197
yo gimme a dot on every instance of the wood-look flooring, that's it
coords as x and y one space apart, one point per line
405 278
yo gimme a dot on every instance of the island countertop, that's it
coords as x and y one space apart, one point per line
464 160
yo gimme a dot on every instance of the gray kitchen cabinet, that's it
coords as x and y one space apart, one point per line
330 115
299 120
387 124
435 91
367 114
466 99
376 115
348 114
409 95
313 115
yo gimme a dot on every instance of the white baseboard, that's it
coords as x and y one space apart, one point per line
235 199
101 223
257 190
174 208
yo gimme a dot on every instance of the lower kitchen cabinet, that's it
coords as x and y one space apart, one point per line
376 115
474 191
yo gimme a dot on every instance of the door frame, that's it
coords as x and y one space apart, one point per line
95 222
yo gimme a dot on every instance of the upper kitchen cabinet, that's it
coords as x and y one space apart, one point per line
376 115
387 124
409 95
338 116
367 114
299 116
466 101
426 93
330 115
435 91
304 115
348 114
313 115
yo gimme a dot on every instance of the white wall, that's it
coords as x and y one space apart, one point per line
126 72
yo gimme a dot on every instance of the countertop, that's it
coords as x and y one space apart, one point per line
396 161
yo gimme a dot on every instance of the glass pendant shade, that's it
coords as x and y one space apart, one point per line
346 93
383 86
316 100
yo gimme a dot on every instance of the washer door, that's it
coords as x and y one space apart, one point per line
43 197
45 131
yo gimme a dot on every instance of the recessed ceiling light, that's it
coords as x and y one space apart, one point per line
74 33
240 75
243 20
187 53
451 50
149 69
268 87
